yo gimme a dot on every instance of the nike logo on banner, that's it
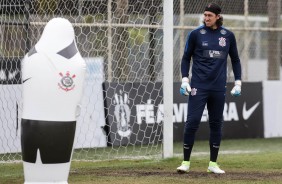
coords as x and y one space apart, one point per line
248 113
26 79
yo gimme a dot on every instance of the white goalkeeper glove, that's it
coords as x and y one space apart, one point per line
185 88
236 91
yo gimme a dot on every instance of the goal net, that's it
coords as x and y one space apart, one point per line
122 44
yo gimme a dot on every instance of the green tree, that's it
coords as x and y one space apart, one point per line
120 48
274 7
46 6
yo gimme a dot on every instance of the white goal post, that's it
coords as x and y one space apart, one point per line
168 79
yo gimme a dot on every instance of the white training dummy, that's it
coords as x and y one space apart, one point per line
52 78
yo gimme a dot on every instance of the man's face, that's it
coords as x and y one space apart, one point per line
210 19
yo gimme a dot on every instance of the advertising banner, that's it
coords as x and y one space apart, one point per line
90 123
272 108
135 113
10 99
10 71
243 116
132 112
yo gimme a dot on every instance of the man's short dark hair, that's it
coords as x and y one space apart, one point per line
212 7
215 8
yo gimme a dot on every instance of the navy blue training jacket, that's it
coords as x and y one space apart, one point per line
209 49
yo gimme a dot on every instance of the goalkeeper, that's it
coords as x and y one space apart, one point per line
209 46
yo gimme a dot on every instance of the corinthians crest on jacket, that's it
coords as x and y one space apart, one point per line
222 41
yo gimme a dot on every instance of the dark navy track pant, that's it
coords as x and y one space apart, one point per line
196 104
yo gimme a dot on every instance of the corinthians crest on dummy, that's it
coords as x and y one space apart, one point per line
66 83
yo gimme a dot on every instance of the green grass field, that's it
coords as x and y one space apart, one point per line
245 161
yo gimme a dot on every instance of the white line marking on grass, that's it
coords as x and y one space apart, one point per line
159 156
229 152
156 156
11 162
